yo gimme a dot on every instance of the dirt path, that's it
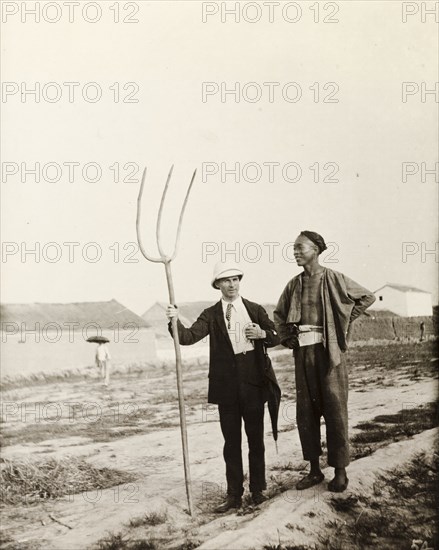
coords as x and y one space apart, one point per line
156 459
296 517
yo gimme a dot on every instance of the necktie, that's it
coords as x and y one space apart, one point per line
229 315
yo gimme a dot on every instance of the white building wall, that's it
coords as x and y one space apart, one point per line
419 303
393 300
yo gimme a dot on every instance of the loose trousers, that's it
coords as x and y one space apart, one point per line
321 393
248 406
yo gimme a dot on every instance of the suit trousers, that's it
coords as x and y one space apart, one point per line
248 405
321 393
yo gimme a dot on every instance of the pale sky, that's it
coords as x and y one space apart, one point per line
367 136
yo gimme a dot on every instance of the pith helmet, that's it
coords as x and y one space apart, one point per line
223 270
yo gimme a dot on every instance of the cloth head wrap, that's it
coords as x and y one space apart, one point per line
317 239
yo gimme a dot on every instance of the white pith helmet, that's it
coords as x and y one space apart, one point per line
223 270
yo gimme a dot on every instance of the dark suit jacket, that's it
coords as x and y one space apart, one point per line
222 368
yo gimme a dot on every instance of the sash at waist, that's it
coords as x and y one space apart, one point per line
310 328
310 335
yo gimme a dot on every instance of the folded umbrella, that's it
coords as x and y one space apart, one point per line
274 395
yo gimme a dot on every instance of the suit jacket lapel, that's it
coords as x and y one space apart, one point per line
250 310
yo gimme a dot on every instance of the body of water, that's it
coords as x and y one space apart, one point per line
28 353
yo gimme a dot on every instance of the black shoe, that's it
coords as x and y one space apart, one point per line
230 503
258 497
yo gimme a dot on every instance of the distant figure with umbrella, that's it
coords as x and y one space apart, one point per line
103 356
241 378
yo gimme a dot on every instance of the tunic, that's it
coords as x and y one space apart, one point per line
322 390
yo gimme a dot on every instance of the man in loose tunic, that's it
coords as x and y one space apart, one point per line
238 332
314 317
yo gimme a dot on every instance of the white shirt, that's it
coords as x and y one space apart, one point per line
239 319
102 353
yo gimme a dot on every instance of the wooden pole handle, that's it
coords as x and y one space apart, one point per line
183 426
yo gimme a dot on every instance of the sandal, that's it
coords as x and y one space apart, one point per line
309 481
336 488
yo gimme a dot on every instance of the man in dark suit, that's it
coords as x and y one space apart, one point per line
238 331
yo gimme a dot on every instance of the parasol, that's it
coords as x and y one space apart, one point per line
98 339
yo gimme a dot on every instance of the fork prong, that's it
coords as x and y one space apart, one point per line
180 221
159 216
138 218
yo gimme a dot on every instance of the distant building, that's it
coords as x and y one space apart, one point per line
77 315
406 301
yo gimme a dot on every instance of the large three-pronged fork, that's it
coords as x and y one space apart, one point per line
166 260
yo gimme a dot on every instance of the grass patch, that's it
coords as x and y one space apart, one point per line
285 547
393 427
344 505
87 374
150 518
24 482
41 379
290 467
119 541
189 545
409 360
107 425
11 544
279 484
401 514
157 538
123 541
